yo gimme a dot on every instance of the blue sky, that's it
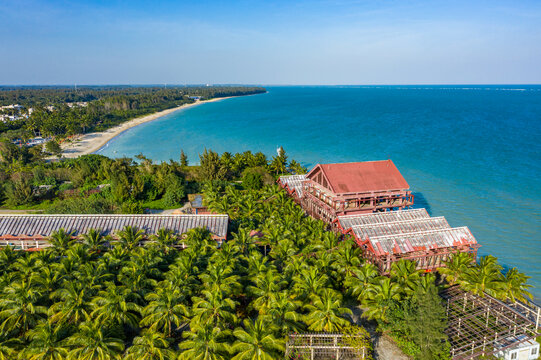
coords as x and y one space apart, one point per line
270 42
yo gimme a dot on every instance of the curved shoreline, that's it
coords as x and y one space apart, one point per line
93 142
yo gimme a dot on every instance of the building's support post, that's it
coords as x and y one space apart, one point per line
311 348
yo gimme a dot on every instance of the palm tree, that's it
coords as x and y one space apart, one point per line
456 267
45 343
484 278
204 342
244 241
513 286
8 348
19 307
114 306
71 305
61 240
256 342
405 274
250 209
361 279
284 250
134 277
219 278
221 205
94 240
258 263
382 292
426 282
326 313
7 256
213 309
200 240
183 273
267 285
165 308
149 346
78 253
92 342
283 313
93 275
165 238
130 237
310 282
25 267
348 259
115 257
228 254
48 279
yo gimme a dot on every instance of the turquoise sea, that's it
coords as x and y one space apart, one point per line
469 153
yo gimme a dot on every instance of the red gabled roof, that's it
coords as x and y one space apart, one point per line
361 177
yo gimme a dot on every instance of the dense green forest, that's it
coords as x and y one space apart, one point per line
57 111
103 298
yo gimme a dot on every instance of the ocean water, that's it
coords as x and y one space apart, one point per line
469 153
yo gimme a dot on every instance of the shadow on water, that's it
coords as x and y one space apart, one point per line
420 202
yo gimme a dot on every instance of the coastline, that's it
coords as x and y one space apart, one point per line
92 142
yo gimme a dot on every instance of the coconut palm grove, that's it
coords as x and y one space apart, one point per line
279 273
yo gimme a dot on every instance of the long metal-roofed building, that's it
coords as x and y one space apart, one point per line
406 234
331 190
32 231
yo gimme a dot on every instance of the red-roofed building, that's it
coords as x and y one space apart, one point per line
331 190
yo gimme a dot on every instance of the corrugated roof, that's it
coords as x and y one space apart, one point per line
403 231
44 225
400 227
348 221
422 240
359 177
293 182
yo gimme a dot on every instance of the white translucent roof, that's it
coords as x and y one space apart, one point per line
348 221
403 231
293 182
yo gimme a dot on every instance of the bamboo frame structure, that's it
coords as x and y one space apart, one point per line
321 346
480 326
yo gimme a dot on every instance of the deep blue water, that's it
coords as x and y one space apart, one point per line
470 153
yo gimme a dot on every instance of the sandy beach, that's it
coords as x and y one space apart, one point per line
92 142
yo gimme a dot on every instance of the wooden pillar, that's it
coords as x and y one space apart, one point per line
311 348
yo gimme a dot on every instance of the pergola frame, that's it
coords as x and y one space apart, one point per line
484 325
321 346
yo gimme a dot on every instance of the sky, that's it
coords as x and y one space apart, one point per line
270 42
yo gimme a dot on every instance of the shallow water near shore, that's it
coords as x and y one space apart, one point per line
469 153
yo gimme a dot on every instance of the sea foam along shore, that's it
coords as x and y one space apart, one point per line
92 142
